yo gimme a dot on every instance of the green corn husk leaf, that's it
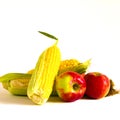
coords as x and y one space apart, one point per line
16 83
18 92
11 76
82 67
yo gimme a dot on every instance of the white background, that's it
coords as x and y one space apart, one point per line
85 28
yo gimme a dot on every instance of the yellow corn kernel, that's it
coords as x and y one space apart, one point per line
16 83
41 83
68 65
19 83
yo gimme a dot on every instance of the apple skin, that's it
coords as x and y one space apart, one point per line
97 85
70 86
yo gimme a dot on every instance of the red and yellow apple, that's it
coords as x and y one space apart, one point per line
70 86
97 85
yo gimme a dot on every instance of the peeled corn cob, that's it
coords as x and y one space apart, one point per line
41 83
42 80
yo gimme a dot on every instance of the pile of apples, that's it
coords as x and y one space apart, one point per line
71 86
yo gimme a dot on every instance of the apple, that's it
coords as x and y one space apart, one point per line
70 86
97 85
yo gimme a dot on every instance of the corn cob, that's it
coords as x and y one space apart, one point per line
16 83
42 80
73 65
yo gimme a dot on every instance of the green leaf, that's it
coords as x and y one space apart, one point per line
18 92
48 35
11 76
82 67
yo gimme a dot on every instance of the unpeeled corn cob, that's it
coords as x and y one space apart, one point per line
42 80
74 65
16 83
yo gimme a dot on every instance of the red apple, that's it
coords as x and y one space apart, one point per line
98 85
70 86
